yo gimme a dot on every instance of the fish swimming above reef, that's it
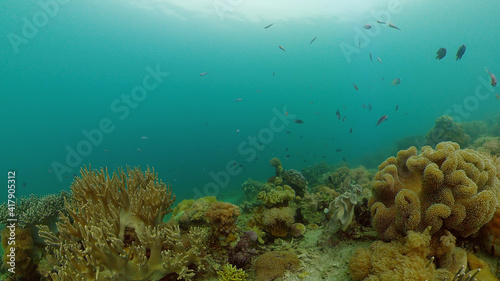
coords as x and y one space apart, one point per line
203 73
381 120
440 53
338 150
393 26
370 107
367 26
267 26
493 78
396 81
350 131
312 40
298 121
379 60
281 47
397 106
371 58
460 52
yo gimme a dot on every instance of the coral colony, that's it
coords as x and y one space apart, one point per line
434 210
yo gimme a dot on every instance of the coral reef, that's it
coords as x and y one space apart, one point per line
342 178
297 230
313 173
245 250
296 180
277 196
222 217
192 212
474 128
231 273
445 188
394 261
445 129
25 255
490 234
341 210
251 188
115 232
490 145
274 264
276 221
36 209
276 163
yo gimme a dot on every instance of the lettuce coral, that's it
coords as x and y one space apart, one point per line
341 209
445 188
115 231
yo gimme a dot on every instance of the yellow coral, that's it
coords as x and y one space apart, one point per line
115 231
444 188
276 163
230 273
277 196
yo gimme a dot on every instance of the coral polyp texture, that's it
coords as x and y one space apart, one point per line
114 231
445 188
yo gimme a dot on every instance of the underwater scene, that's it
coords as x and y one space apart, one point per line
233 140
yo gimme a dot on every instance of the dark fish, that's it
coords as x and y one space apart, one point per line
364 106
298 121
460 52
24 184
350 132
286 149
343 119
493 78
369 107
330 178
281 47
274 73
355 87
393 26
397 106
382 119
371 58
267 26
288 132
338 150
312 40
367 26
338 114
288 156
343 159
441 53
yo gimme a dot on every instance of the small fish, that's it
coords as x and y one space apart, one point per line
382 119
350 131
343 119
338 114
238 130
396 81
281 47
381 22
369 107
140 150
258 91
393 26
367 26
359 43
338 150
371 58
25 183
493 78
343 159
286 113
105 150
379 60
238 99
288 156
298 121
355 87
497 96
440 53
274 73
460 52
286 149
203 73
144 138
312 40
397 106
267 26
363 105
288 132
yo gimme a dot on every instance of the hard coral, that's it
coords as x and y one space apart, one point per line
446 129
222 217
444 188
296 180
231 273
115 231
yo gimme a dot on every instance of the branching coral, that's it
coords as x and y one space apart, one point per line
444 188
231 273
115 231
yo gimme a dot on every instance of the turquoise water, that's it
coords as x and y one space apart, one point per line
70 75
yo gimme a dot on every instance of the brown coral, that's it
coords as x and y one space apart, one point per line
272 265
444 188
115 231
222 217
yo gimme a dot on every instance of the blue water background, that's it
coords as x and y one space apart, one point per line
65 79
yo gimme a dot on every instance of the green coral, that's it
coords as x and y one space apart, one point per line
230 273
446 129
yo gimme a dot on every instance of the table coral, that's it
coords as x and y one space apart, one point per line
115 232
445 188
